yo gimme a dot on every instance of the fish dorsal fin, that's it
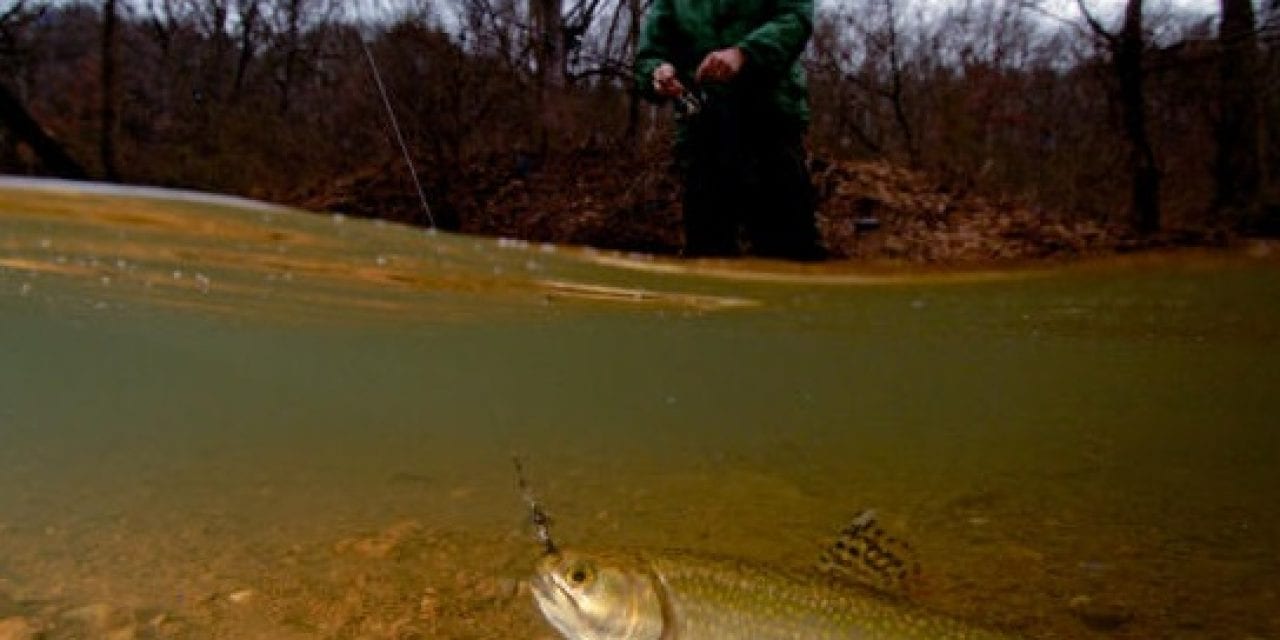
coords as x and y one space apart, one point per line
864 554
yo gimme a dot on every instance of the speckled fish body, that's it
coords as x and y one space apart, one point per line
684 596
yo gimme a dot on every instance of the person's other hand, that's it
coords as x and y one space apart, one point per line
721 65
665 82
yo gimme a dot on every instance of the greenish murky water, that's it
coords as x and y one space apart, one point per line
224 420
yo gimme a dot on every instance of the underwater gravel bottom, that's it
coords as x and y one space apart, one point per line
225 420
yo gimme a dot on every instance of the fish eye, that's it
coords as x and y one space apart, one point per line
580 573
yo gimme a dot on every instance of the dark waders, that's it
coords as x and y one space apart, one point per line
745 173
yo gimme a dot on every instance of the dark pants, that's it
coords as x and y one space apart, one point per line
746 176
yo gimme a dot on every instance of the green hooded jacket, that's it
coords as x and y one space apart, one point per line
772 34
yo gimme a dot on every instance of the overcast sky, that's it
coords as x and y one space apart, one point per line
1062 8
1102 6
1070 9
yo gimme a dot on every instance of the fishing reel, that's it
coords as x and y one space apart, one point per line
689 103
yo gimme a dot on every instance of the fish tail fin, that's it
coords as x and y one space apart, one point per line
864 554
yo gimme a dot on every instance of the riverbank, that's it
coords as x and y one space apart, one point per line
867 210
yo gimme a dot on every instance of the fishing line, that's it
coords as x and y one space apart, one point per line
395 126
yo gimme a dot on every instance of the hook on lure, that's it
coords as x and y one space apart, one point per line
541 522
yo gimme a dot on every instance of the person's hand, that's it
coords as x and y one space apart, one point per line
721 65
665 82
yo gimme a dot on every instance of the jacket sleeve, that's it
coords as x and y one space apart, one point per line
776 45
655 46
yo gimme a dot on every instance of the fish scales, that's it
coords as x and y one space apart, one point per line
715 598
690 596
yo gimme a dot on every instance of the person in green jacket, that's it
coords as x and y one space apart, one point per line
742 109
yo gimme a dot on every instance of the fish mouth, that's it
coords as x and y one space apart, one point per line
556 604
552 598
545 589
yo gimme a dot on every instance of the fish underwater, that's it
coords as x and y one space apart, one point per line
856 593
692 596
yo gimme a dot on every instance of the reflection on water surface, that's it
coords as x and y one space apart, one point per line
221 419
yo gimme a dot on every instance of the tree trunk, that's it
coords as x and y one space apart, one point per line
633 95
1271 117
109 91
1133 105
548 28
249 14
896 86
1237 173
55 159
550 55
293 52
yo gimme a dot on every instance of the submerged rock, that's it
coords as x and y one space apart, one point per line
17 629
243 596
383 544
102 620
1100 615
8 606
97 616
126 632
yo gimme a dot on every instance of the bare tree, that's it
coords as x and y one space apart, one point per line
110 90
547 33
249 17
635 15
1271 119
13 114
25 128
843 87
894 92
289 26
1237 175
860 60
496 29
18 12
1126 50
